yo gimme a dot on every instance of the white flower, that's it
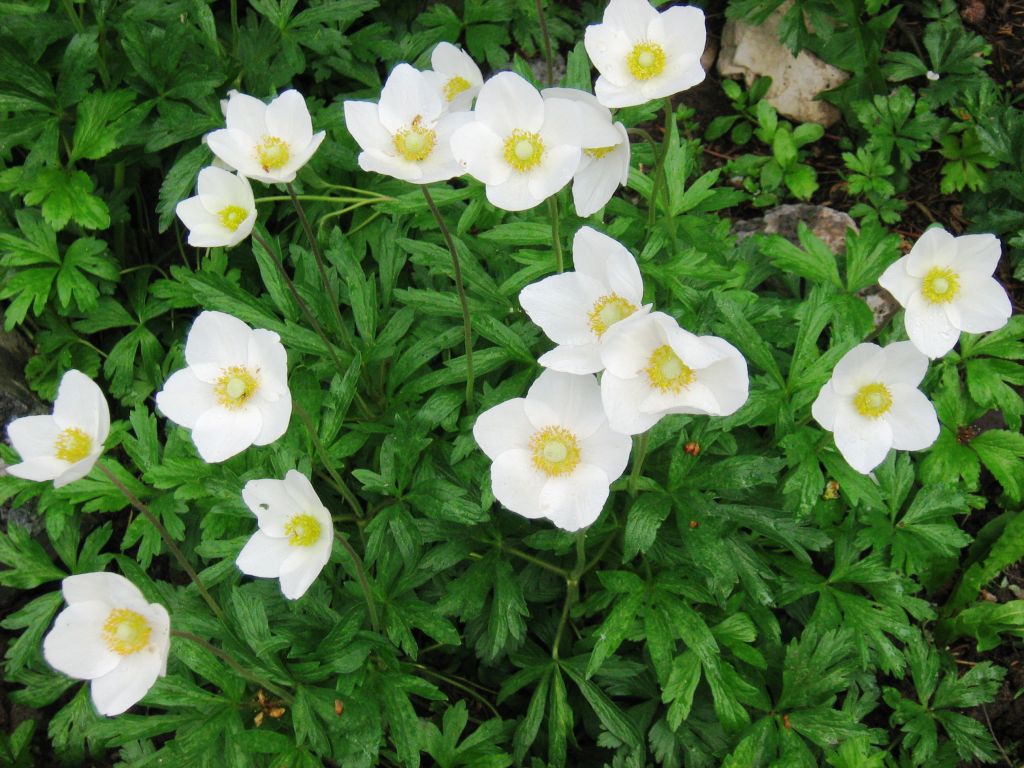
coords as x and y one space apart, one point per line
946 285
266 142
554 455
602 170
111 635
408 134
295 536
234 392
223 212
576 309
644 55
522 146
872 404
65 446
933 76
455 76
653 368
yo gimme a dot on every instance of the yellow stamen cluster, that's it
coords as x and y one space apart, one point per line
455 86
598 152
72 445
126 632
272 152
415 143
667 372
555 450
940 285
232 217
872 400
523 150
646 60
235 386
302 530
607 311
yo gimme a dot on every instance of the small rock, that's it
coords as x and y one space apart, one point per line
827 224
751 51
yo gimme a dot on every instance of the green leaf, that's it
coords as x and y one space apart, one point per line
612 718
682 683
29 565
67 196
1002 452
614 630
814 260
99 125
643 520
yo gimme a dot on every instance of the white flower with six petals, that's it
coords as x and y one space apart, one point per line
223 211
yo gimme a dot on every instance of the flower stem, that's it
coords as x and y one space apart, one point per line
339 484
638 461
324 199
171 545
467 322
548 58
556 236
534 560
659 171
227 657
572 589
364 584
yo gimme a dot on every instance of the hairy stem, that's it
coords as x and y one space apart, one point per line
556 236
572 589
231 662
339 484
548 57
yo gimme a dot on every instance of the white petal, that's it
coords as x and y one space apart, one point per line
479 151
631 16
621 399
696 398
977 253
594 184
685 32
904 364
275 417
514 194
111 588
570 401
727 378
607 260
936 247
608 48
561 304
219 433
862 442
569 121
503 427
76 471
673 82
825 409
301 490
555 171
983 304
35 436
626 347
451 60
516 483
185 398
363 122
237 149
80 403
573 358
75 645
300 571
861 365
246 114
397 167
270 501
217 340
267 355
287 118
406 95
617 96
195 217
38 469
900 283
127 683
912 418
219 188
507 102
300 155
608 450
928 326
263 555
575 501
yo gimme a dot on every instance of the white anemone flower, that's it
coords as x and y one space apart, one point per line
295 537
575 309
524 147
63 447
946 285
234 392
406 135
111 635
872 404
553 452
455 76
602 170
644 55
266 142
222 213
654 368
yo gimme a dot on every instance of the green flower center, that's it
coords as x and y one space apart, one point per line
232 217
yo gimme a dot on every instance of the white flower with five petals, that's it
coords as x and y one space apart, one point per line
65 446
654 368
222 213
872 404
553 453
946 285
455 76
407 134
234 392
266 142
111 635
644 55
295 537
576 309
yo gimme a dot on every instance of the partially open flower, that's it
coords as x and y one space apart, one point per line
872 404
522 146
554 455
109 634
946 285
654 368
65 446
602 170
234 392
644 55
577 308
295 537
455 76
266 142
407 135
222 213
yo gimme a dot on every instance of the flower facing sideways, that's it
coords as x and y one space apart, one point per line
946 285
295 536
455 76
653 368
407 134
524 147
553 453
234 392
872 404
266 142
223 211
576 309
111 635
644 55
65 446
